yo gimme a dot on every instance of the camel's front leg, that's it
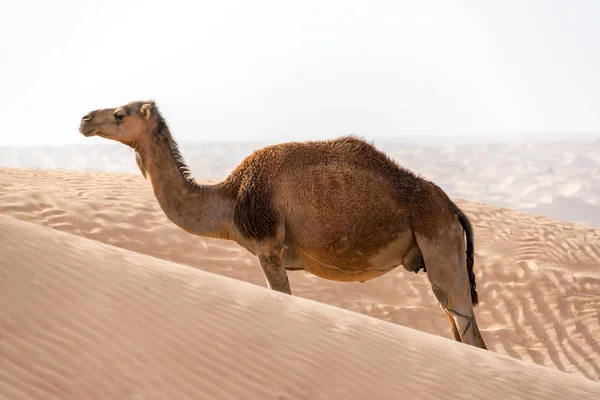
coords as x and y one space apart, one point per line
271 262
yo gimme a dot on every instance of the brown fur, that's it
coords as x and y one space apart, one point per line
340 209
252 182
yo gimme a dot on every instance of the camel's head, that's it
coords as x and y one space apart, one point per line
127 124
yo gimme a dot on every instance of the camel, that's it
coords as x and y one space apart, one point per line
339 209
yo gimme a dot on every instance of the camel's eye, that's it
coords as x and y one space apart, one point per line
119 117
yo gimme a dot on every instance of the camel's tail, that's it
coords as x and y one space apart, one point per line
466 224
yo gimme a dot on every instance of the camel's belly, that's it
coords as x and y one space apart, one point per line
338 271
348 267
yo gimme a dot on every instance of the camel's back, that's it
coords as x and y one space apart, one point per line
344 184
274 162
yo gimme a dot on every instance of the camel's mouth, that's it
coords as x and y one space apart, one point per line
94 131
89 132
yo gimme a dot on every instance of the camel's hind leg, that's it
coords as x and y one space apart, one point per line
445 258
453 326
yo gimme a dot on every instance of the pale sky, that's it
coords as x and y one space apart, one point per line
281 70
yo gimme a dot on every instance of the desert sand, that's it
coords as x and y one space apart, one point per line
84 320
94 317
538 278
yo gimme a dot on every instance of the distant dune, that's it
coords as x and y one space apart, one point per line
554 179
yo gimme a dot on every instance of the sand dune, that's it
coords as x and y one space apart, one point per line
538 278
83 320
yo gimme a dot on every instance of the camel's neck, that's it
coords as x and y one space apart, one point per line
203 210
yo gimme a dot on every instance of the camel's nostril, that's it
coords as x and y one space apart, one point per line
87 117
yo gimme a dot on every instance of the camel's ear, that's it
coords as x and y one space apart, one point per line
146 110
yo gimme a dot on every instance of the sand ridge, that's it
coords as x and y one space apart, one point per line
94 321
538 278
